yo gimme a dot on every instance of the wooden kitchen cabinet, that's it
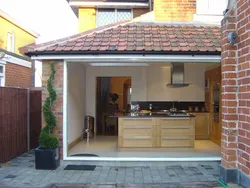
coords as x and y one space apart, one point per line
201 126
134 132
177 132
152 133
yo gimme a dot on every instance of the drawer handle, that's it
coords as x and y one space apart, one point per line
138 127
138 119
175 138
176 127
138 138
178 118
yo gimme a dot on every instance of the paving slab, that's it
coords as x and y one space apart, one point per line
21 172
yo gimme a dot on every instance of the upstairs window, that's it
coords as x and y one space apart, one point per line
11 42
108 16
211 7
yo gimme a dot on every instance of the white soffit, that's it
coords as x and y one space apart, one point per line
17 61
133 58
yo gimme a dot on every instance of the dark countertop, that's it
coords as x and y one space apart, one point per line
150 115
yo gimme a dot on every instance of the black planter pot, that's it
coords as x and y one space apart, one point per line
47 159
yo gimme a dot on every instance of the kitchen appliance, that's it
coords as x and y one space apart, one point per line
179 113
177 76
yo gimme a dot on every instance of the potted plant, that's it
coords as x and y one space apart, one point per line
47 155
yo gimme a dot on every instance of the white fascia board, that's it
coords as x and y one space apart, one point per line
134 58
65 109
17 61
107 4
2 62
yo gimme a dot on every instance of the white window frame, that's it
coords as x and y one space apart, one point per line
115 11
2 75
11 42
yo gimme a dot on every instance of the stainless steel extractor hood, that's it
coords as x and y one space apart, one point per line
177 76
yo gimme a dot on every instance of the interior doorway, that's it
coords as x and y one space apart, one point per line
113 95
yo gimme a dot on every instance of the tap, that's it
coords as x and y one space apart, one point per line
150 106
173 109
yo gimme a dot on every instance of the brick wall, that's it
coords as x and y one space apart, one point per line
58 106
243 81
236 89
17 76
139 11
174 10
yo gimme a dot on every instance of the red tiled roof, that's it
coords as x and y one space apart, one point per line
138 37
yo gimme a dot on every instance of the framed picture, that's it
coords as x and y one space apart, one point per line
206 83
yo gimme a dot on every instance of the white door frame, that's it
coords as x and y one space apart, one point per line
65 137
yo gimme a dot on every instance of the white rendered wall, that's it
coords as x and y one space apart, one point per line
76 100
158 77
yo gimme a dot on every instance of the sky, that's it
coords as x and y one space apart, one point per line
52 19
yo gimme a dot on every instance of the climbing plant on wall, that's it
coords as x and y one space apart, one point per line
46 139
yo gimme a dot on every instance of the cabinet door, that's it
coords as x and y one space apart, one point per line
201 126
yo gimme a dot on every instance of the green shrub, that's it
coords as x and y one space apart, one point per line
46 139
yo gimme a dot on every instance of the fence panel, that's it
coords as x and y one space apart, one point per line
13 122
14 117
35 117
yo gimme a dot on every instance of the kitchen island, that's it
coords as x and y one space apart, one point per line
155 132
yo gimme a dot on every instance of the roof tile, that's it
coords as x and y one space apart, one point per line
139 37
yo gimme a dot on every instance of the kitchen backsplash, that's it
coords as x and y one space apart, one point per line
166 105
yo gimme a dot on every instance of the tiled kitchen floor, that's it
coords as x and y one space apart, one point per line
106 146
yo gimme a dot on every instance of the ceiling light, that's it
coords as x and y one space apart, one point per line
120 64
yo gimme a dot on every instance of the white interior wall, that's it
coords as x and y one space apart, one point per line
76 100
158 77
137 74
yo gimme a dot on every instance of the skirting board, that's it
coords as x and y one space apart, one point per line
72 144
157 149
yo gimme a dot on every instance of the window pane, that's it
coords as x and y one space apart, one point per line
1 81
105 16
1 69
124 14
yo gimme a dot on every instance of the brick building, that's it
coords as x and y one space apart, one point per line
16 70
184 39
235 68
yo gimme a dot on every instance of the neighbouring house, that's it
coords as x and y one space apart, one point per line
187 86
92 14
15 69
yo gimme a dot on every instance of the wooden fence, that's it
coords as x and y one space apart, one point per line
20 121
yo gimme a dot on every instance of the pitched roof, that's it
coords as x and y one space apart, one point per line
139 37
